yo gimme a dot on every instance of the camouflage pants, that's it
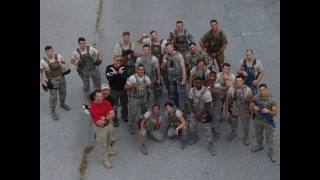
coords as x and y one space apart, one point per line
103 139
261 126
54 93
134 105
220 61
122 95
245 122
177 92
211 128
85 76
183 131
253 88
156 134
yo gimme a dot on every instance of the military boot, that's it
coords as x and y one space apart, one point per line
211 149
65 106
215 136
257 148
272 155
193 140
246 140
54 115
107 163
112 152
183 144
144 149
131 129
232 136
115 123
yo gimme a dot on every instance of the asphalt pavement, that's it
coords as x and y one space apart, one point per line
247 24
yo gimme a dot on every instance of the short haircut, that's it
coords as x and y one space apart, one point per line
226 65
263 85
249 49
213 20
47 48
117 57
213 72
240 76
97 91
81 39
153 32
198 78
168 103
201 59
168 43
178 22
125 33
140 65
156 105
193 43
146 45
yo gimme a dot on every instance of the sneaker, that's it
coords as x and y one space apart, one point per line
65 106
107 163
144 149
85 109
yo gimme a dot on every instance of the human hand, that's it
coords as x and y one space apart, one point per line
121 70
265 110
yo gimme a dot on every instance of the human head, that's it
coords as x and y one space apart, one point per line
193 47
156 109
98 97
201 63
82 42
212 76
169 47
179 26
239 81
105 88
140 70
126 37
49 51
226 68
263 90
214 24
154 35
169 107
197 83
146 50
249 54
117 61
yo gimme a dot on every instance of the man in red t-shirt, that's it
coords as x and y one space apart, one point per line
102 116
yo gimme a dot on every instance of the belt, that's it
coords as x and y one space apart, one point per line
57 78
106 124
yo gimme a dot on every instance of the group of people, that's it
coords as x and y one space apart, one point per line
200 86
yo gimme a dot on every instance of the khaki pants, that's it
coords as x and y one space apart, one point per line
103 139
260 126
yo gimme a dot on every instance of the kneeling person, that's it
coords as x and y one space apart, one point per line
151 124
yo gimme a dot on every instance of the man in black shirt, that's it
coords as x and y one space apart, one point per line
117 74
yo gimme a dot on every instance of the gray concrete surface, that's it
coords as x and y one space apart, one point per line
247 23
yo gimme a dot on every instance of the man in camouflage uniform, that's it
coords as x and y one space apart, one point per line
200 70
137 87
127 50
238 99
152 70
173 64
193 55
269 107
214 43
158 49
152 124
87 59
180 39
51 64
252 69
200 103
175 123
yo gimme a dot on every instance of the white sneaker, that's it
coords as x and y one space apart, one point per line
85 109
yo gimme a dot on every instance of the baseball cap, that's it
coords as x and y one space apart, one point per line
105 86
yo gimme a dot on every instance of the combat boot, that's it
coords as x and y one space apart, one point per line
215 136
131 129
193 140
257 148
144 149
211 149
54 115
183 144
107 163
246 140
65 106
231 136
112 152
272 155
